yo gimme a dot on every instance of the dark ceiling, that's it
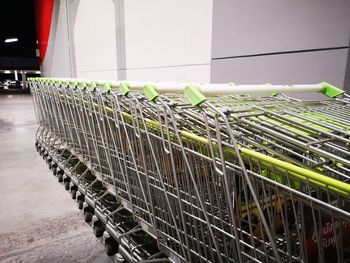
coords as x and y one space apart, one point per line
17 21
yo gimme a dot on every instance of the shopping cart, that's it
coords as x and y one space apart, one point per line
230 178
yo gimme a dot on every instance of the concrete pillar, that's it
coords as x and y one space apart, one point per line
24 80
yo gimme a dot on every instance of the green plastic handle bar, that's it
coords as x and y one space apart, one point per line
151 92
108 87
194 96
330 90
124 88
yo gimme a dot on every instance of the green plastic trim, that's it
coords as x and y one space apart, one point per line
124 88
93 85
194 96
151 92
75 83
299 172
330 91
108 87
84 84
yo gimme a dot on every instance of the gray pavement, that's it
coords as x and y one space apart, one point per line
39 222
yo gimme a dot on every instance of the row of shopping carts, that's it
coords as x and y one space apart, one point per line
176 172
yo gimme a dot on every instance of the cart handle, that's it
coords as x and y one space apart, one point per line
196 92
232 89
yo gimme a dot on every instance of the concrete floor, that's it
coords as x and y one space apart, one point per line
39 222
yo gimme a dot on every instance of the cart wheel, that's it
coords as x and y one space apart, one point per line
60 177
80 204
49 165
66 185
98 229
54 170
74 193
60 174
88 216
111 246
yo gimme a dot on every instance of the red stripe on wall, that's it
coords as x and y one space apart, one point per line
43 15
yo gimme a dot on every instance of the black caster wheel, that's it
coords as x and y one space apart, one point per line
73 193
37 146
60 176
80 203
54 170
111 246
49 165
66 185
80 200
98 229
88 216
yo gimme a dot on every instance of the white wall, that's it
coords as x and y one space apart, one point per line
93 38
136 40
57 62
173 40
245 28
168 40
